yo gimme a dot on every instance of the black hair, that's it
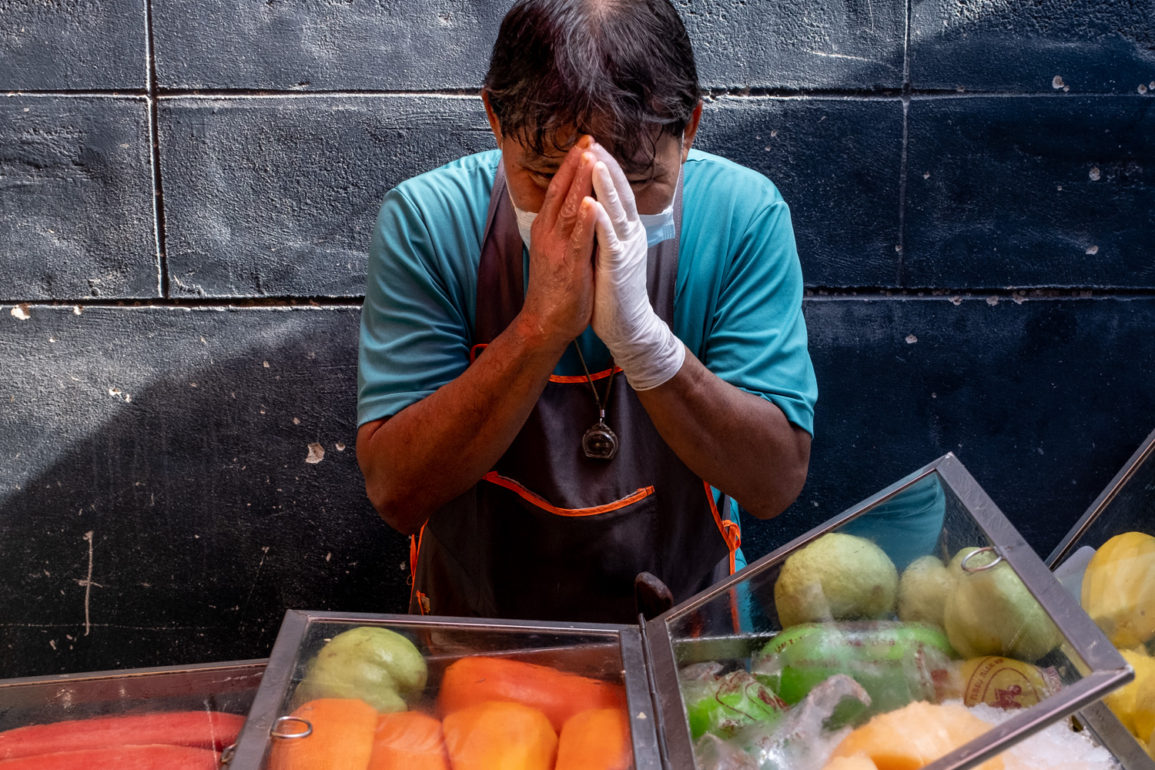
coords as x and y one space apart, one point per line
620 70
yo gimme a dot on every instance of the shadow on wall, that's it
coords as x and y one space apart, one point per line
209 483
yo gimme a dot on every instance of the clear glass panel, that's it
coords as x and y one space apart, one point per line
452 675
899 632
198 708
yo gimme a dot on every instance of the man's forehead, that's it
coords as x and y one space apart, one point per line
556 145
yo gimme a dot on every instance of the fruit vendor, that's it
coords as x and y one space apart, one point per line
581 351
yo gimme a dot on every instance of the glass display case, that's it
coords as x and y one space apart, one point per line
1107 562
431 684
176 715
915 629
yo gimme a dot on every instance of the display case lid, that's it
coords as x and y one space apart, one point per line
564 667
1126 504
773 625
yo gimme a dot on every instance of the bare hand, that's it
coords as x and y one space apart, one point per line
559 297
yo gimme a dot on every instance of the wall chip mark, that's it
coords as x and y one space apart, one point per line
1057 82
992 301
911 339
1092 250
20 313
1095 174
340 445
316 454
88 584
120 395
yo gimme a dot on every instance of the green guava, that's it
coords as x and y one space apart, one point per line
893 661
991 612
922 591
379 666
726 703
836 577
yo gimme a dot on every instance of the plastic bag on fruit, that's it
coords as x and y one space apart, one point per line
799 741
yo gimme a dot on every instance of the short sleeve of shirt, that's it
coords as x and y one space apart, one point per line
416 321
739 299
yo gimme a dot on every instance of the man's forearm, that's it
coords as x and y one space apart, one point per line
736 441
436 449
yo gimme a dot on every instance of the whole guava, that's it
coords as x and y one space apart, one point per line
990 611
379 666
838 576
922 590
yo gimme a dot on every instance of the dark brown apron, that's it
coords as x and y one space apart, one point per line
548 533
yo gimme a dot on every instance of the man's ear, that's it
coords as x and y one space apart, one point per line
494 125
691 130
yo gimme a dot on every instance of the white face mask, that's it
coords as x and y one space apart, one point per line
659 227
524 221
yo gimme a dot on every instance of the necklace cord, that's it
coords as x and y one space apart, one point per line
590 380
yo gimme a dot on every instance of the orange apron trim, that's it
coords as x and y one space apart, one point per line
563 379
414 552
732 535
731 531
575 379
494 477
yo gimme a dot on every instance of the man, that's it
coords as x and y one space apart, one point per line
571 346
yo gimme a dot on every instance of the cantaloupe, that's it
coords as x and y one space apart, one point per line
856 762
915 735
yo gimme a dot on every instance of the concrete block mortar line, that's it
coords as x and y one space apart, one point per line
900 247
88 93
162 282
810 293
991 296
165 94
906 34
78 306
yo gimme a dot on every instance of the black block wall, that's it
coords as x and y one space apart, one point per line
186 193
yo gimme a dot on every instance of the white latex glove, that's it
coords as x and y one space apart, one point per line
641 343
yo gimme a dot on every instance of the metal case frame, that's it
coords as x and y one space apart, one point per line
254 740
1105 667
1097 717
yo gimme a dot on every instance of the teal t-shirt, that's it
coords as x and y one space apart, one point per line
737 301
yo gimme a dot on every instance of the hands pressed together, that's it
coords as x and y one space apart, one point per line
588 266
